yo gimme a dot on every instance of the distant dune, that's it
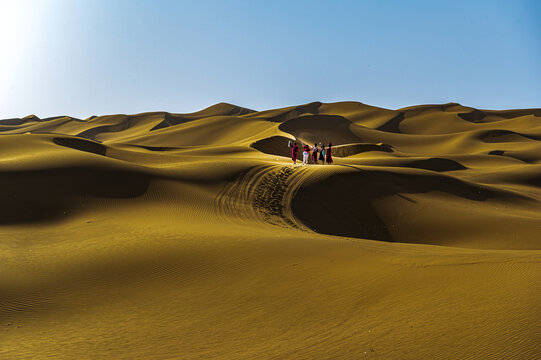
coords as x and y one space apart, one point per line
192 236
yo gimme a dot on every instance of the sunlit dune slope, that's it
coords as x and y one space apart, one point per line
193 236
429 155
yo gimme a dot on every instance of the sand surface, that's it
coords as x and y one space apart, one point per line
192 236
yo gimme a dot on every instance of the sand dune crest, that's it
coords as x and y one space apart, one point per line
194 236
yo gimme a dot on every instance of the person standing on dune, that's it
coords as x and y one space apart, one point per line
322 154
294 151
305 154
315 150
328 154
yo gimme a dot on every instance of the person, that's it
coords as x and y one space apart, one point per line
305 154
322 154
294 151
314 153
328 154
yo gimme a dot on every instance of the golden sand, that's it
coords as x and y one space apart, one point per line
192 236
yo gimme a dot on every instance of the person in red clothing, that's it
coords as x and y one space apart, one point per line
294 151
328 154
315 150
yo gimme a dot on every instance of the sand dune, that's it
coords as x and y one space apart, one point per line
192 236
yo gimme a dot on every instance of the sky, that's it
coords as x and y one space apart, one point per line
96 57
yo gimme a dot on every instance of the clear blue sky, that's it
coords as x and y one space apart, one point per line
80 58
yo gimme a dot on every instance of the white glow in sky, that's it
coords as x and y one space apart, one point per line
21 31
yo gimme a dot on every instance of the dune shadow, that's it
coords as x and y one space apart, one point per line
358 148
436 164
12 122
274 145
278 145
475 116
93 132
320 128
156 148
81 144
499 136
311 108
41 195
393 125
526 157
170 120
343 204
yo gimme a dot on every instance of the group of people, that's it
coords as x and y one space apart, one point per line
319 153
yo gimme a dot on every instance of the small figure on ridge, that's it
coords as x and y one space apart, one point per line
322 153
315 150
294 151
305 154
328 154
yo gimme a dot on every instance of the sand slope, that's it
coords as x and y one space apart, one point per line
191 236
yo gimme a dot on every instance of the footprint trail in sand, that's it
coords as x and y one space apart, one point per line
192 236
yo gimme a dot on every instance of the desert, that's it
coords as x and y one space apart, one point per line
194 236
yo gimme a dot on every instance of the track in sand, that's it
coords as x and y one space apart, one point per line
192 236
